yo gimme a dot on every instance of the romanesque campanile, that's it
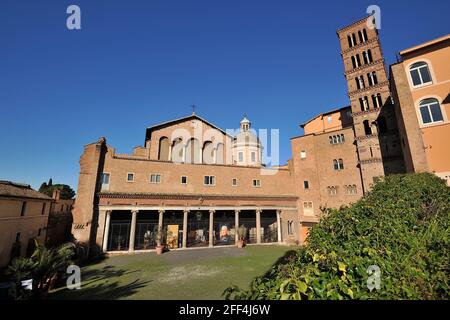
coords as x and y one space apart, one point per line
375 128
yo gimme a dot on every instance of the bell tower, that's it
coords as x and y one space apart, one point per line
373 115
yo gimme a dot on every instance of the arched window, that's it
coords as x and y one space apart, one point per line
335 164
365 103
372 77
342 138
177 150
351 40
208 153
193 151
365 58
163 149
377 101
220 154
334 140
353 62
338 164
331 139
367 128
420 73
369 55
360 82
332 190
382 124
358 60
365 35
360 36
430 111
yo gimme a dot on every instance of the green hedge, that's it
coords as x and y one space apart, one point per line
401 226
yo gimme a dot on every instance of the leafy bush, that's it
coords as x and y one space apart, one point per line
401 226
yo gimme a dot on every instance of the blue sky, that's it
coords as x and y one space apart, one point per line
137 63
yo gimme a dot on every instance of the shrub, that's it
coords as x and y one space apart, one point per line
41 267
401 226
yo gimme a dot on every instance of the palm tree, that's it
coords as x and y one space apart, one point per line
44 265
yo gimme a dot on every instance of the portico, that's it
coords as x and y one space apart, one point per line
132 228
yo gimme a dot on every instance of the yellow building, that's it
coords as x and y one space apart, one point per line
421 91
23 217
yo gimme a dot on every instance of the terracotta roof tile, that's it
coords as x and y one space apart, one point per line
20 190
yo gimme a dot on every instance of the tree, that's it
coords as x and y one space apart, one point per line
41 267
43 186
66 191
401 228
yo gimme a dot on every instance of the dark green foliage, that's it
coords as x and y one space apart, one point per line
42 266
66 191
402 226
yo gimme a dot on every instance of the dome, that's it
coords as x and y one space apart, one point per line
247 138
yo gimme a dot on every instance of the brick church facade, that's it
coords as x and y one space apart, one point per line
200 183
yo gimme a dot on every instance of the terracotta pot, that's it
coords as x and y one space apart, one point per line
240 243
159 249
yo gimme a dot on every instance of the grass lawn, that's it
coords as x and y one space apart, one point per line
183 274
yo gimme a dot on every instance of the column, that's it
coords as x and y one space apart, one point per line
184 153
211 228
132 229
279 225
160 223
258 226
160 220
170 152
236 225
185 223
106 232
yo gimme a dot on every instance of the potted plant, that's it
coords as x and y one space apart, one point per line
159 240
242 233
147 238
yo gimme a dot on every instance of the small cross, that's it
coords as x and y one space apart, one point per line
193 109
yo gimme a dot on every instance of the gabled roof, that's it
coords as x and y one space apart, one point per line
302 125
20 190
172 122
